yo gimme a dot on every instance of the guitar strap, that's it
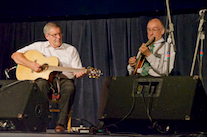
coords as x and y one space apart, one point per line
159 56
155 52
56 94
161 45
58 88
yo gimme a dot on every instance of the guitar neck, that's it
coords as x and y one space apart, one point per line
58 68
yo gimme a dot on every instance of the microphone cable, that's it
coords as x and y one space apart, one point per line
11 84
154 125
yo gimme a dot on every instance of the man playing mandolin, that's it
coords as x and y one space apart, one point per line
152 55
156 59
67 55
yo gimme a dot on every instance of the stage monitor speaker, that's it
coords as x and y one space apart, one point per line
172 98
23 107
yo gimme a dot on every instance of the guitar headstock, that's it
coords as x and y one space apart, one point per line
93 72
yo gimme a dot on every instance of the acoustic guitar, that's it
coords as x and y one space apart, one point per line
48 66
141 58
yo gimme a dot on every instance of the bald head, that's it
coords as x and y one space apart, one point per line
156 21
155 29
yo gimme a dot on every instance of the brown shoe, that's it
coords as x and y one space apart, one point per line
59 129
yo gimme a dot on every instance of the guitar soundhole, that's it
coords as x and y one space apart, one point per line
44 67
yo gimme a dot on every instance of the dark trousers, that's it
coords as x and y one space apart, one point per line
67 95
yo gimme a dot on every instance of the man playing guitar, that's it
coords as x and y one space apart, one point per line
67 56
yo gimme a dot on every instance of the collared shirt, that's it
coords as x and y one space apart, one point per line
67 55
158 60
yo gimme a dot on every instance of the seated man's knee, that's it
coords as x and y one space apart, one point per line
41 82
69 89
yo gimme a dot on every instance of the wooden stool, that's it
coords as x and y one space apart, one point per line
69 121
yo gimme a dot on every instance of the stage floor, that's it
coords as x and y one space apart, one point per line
51 133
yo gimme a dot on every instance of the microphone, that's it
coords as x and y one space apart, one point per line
6 73
201 12
150 42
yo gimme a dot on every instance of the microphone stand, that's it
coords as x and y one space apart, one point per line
201 36
170 39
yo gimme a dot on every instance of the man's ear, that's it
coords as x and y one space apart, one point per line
46 36
163 30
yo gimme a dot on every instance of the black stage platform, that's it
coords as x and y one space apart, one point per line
51 133
168 106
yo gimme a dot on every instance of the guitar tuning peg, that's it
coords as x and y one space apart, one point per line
93 72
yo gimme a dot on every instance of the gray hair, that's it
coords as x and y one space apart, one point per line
50 25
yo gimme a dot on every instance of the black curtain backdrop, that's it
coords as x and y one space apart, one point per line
105 44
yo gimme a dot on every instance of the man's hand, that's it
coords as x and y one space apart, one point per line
35 66
19 58
132 61
145 50
79 74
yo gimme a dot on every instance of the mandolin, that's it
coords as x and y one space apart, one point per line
141 58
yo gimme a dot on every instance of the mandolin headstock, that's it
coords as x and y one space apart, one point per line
93 72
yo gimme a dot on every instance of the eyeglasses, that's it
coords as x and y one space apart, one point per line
56 35
154 30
